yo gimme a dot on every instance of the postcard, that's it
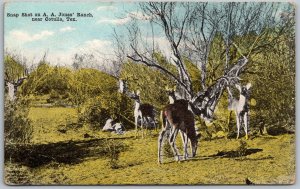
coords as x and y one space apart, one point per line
149 93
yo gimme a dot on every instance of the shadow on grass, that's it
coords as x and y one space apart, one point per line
228 154
236 153
69 152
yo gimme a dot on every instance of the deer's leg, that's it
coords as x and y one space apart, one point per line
136 125
246 124
228 120
238 124
142 126
149 126
162 135
160 142
185 144
191 147
183 141
155 125
172 140
230 127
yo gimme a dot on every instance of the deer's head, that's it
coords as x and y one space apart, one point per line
122 86
171 94
194 143
244 90
136 96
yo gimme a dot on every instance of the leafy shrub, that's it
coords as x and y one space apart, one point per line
94 114
17 128
242 149
113 149
96 111
150 82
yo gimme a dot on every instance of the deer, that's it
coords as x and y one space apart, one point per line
241 107
143 112
177 117
174 118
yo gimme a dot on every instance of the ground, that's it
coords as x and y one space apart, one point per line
262 160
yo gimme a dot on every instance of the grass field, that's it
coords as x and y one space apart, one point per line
271 159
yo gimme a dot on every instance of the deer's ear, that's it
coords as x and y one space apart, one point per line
238 87
138 92
248 86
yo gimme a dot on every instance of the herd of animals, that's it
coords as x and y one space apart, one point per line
177 116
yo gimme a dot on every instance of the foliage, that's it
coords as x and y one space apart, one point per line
241 150
13 69
46 78
271 67
216 58
195 75
99 99
89 83
113 149
273 77
94 93
271 72
17 128
150 82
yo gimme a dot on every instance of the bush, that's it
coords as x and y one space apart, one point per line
94 114
113 149
242 149
17 128
96 111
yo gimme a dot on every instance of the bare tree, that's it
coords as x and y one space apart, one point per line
189 29
202 26
174 28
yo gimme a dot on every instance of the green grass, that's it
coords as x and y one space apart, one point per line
47 121
275 164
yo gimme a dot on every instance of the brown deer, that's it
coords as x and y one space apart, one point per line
177 117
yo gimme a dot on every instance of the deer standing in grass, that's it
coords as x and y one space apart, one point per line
177 117
241 107
143 113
